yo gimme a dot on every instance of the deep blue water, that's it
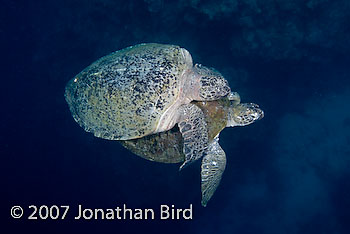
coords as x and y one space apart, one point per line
288 173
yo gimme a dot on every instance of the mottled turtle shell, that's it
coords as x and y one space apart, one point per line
123 95
167 147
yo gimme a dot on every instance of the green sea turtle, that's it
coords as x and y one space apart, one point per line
167 147
146 89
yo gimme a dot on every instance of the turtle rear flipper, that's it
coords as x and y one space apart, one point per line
213 166
194 132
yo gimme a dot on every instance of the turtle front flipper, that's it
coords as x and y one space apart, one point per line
194 132
213 166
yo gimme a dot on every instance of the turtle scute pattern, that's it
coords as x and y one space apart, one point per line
122 95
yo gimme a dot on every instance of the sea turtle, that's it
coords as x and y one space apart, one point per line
167 146
146 89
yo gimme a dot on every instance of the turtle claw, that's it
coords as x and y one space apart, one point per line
184 165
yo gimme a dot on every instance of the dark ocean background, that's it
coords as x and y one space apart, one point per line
287 173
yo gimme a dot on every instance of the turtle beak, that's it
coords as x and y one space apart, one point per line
261 114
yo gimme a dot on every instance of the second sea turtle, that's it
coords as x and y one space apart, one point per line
167 147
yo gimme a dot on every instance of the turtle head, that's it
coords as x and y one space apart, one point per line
243 114
211 84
